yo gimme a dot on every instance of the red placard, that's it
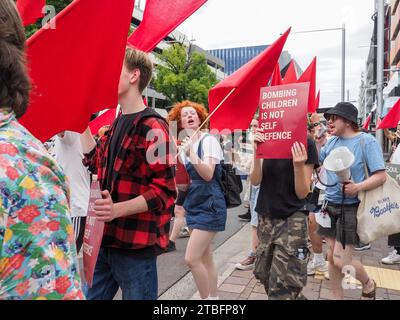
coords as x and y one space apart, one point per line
283 119
93 235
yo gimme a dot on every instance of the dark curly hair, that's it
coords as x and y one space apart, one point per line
14 81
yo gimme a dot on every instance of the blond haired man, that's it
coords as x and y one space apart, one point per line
137 194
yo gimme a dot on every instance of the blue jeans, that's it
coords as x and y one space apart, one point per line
137 278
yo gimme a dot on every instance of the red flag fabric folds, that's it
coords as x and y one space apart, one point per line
276 77
30 10
392 118
367 122
317 100
291 74
238 110
309 75
75 68
159 19
105 119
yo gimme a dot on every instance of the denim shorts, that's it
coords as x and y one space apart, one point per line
205 206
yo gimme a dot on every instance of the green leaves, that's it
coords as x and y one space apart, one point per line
180 76
59 5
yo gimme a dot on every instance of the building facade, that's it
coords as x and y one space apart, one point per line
234 58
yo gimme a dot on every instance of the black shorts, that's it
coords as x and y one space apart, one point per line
350 224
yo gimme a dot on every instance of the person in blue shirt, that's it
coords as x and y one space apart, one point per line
342 201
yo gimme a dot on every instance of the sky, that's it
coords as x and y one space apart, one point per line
236 23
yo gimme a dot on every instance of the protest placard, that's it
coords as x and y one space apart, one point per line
282 119
393 170
93 235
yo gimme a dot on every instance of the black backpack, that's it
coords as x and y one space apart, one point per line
231 184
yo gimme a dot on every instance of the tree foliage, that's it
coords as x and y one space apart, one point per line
182 76
57 4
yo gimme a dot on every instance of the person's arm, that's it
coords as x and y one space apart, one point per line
90 151
205 168
302 171
256 169
107 211
375 164
161 191
375 180
87 141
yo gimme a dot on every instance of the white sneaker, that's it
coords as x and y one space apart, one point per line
184 233
392 258
314 267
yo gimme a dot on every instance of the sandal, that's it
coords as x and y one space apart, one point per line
372 294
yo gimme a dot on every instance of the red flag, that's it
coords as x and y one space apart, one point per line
160 18
238 110
309 75
30 10
276 77
291 74
74 71
317 99
378 122
367 122
392 118
105 119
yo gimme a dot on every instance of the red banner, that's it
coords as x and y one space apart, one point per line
93 235
283 119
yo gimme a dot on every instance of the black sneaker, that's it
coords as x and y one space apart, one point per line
362 246
245 216
171 246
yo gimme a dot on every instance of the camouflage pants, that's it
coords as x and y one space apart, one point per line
282 256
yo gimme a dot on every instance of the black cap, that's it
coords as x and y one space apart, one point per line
345 110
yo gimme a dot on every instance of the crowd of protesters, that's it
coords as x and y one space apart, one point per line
44 200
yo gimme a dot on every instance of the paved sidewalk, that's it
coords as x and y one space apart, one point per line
241 285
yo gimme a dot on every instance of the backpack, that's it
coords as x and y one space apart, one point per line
231 184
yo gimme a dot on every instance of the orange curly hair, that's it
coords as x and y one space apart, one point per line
175 113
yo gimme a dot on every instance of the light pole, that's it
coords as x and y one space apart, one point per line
343 29
380 7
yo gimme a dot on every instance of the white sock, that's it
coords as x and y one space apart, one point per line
213 298
318 257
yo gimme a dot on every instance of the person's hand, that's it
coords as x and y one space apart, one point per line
104 208
258 138
299 154
185 145
351 189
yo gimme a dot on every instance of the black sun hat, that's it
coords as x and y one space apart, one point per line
345 110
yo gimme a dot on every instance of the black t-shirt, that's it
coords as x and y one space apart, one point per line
277 197
123 126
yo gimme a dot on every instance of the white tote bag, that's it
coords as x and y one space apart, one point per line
378 214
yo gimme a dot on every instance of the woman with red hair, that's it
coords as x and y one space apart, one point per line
205 203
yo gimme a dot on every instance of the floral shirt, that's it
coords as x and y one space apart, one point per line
38 257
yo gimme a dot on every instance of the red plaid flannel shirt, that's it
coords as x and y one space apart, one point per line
133 176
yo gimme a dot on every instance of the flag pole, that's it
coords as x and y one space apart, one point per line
208 118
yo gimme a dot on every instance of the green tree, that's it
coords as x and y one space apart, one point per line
57 4
182 76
